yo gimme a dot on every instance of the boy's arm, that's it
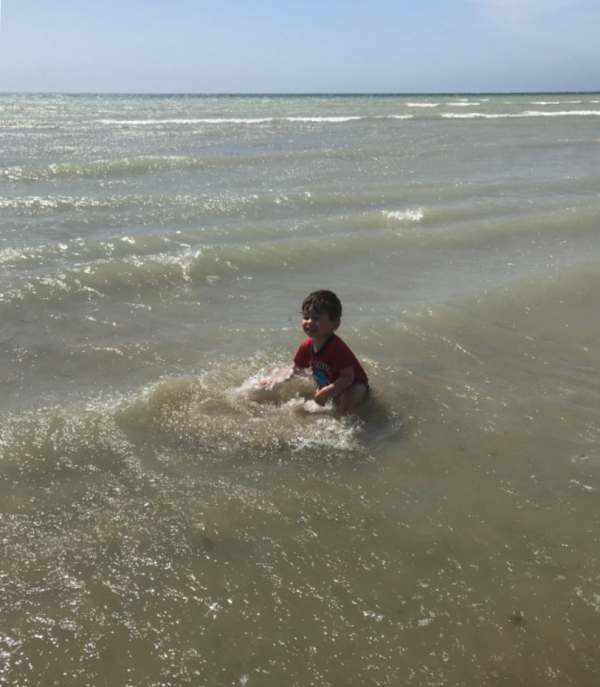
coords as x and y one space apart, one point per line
280 375
277 376
343 382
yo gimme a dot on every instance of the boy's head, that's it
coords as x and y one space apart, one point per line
322 304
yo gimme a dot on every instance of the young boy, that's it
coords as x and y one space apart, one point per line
335 369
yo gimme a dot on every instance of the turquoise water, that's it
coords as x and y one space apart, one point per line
164 523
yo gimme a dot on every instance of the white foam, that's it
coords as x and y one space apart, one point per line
563 113
338 119
329 120
179 120
474 115
410 215
422 104
522 115
266 379
463 104
560 102
228 120
325 431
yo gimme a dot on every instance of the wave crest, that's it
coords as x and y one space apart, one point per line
521 115
410 215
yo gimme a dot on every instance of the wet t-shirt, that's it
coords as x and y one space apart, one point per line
327 363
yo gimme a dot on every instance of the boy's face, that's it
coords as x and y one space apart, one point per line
318 324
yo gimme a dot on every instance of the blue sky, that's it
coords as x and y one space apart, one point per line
299 45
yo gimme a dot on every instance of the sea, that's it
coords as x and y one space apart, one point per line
165 521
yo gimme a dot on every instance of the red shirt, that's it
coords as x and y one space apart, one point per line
329 361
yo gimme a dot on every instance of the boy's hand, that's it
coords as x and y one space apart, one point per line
277 376
322 395
344 381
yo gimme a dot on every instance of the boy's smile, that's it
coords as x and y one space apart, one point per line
319 326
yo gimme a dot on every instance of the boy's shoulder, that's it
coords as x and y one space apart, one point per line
339 343
340 349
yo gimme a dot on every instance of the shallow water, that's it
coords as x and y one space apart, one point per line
164 523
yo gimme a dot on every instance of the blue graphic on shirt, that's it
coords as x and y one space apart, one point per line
320 377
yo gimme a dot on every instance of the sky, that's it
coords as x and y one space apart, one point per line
299 46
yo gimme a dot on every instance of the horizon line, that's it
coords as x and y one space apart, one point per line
258 94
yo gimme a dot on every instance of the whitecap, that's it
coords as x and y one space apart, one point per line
522 115
180 120
329 120
230 120
410 215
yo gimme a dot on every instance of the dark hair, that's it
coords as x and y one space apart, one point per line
323 302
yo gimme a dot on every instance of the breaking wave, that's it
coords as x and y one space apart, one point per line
186 121
521 115
411 215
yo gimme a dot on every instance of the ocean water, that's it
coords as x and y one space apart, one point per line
164 523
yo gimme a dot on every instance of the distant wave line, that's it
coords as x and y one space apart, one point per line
349 118
522 115
248 120
557 102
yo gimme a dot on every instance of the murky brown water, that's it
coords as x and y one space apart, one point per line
162 523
